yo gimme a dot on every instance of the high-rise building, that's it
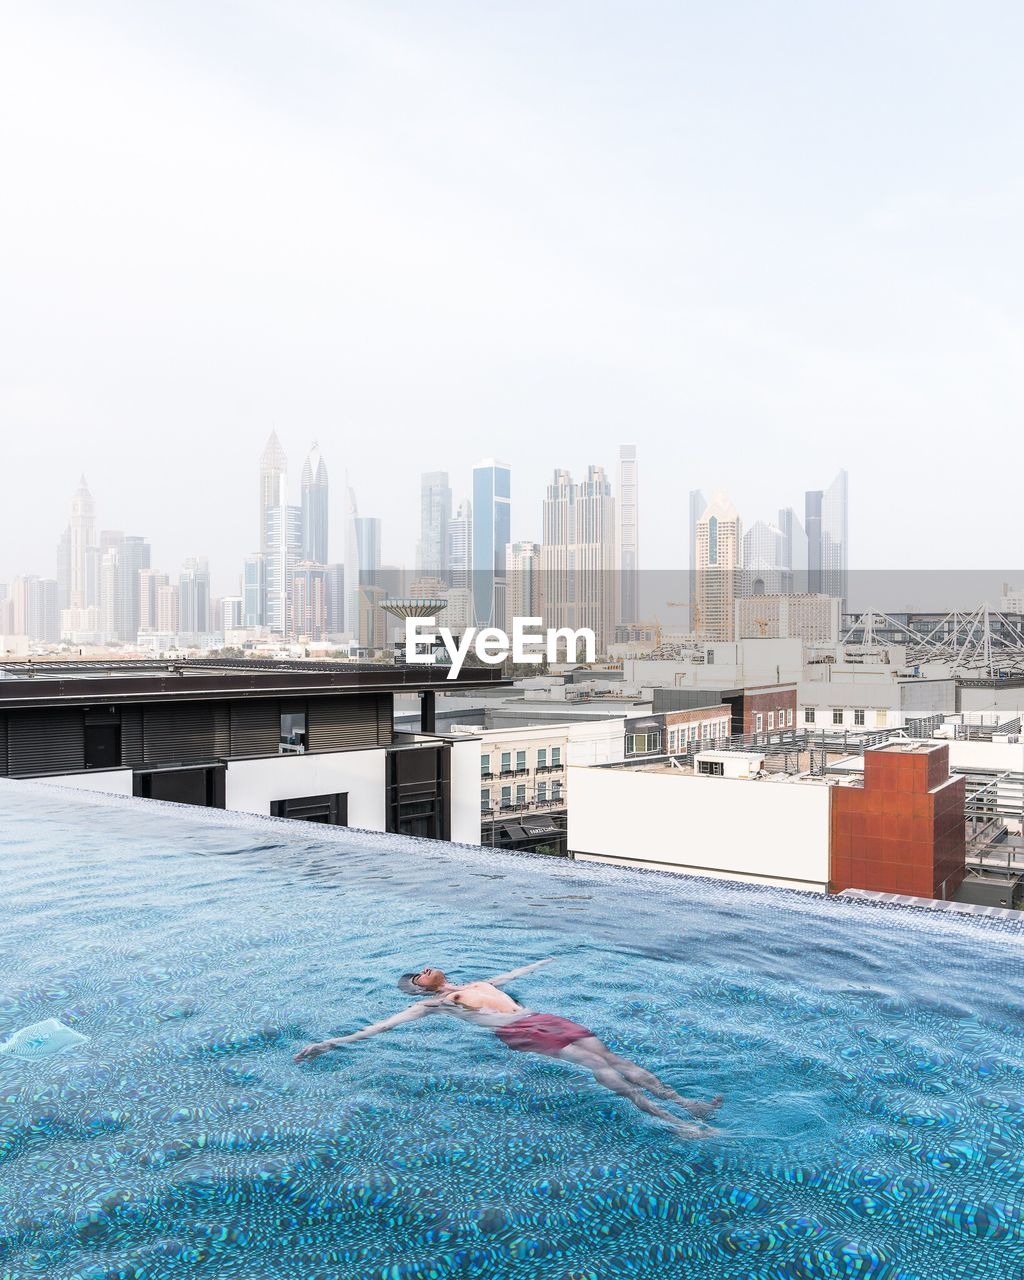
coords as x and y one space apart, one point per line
764 569
283 552
492 524
195 616
460 546
835 539
629 544
314 507
794 551
718 541
578 555
697 506
362 563
33 608
122 559
168 614
230 614
254 591
309 601
64 569
150 582
273 469
827 536
335 600
82 539
435 513
522 577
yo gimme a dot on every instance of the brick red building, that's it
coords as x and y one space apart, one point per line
903 830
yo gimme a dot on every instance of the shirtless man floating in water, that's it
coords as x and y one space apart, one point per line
485 1005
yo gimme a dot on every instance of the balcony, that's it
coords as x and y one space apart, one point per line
514 773
487 775
550 768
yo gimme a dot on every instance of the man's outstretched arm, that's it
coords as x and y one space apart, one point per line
502 978
406 1015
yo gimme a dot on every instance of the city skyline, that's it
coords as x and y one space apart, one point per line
563 252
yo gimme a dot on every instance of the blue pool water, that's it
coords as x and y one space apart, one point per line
872 1061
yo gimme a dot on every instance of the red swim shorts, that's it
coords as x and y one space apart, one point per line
541 1033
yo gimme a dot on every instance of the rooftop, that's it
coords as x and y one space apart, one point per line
24 684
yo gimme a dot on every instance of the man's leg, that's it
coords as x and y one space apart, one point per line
606 1074
648 1080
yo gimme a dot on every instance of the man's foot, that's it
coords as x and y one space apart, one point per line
701 1110
694 1133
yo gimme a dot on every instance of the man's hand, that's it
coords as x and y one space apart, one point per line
315 1050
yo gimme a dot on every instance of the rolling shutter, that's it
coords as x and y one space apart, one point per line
131 736
45 742
184 733
3 745
339 724
255 728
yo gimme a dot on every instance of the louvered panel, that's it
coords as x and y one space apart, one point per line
185 732
45 742
3 745
131 737
385 719
339 724
255 728
222 729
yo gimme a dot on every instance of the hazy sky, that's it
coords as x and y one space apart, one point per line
761 241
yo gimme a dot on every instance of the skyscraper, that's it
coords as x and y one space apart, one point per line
123 558
150 582
492 523
362 566
763 560
435 513
273 468
794 551
460 546
309 601
697 507
195 618
826 524
628 535
718 540
335 599
578 555
34 608
254 591
82 530
522 574
284 551
314 507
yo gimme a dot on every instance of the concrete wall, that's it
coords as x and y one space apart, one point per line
250 785
1008 699
1000 757
116 782
466 791
772 832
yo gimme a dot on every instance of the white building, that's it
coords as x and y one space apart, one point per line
579 584
718 546
814 619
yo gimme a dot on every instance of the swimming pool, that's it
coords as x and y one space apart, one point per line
872 1061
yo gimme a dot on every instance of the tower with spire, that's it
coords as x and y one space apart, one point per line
273 469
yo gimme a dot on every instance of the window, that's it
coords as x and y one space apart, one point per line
771 721
506 761
485 798
330 810
880 719
556 791
542 757
521 793
858 715
782 717
808 715
542 792
789 717
520 762
694 732
713 768
758 722
506 797
485 765
837 715
293 733
641 744
556 756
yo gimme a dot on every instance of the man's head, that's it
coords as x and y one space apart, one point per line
422 981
